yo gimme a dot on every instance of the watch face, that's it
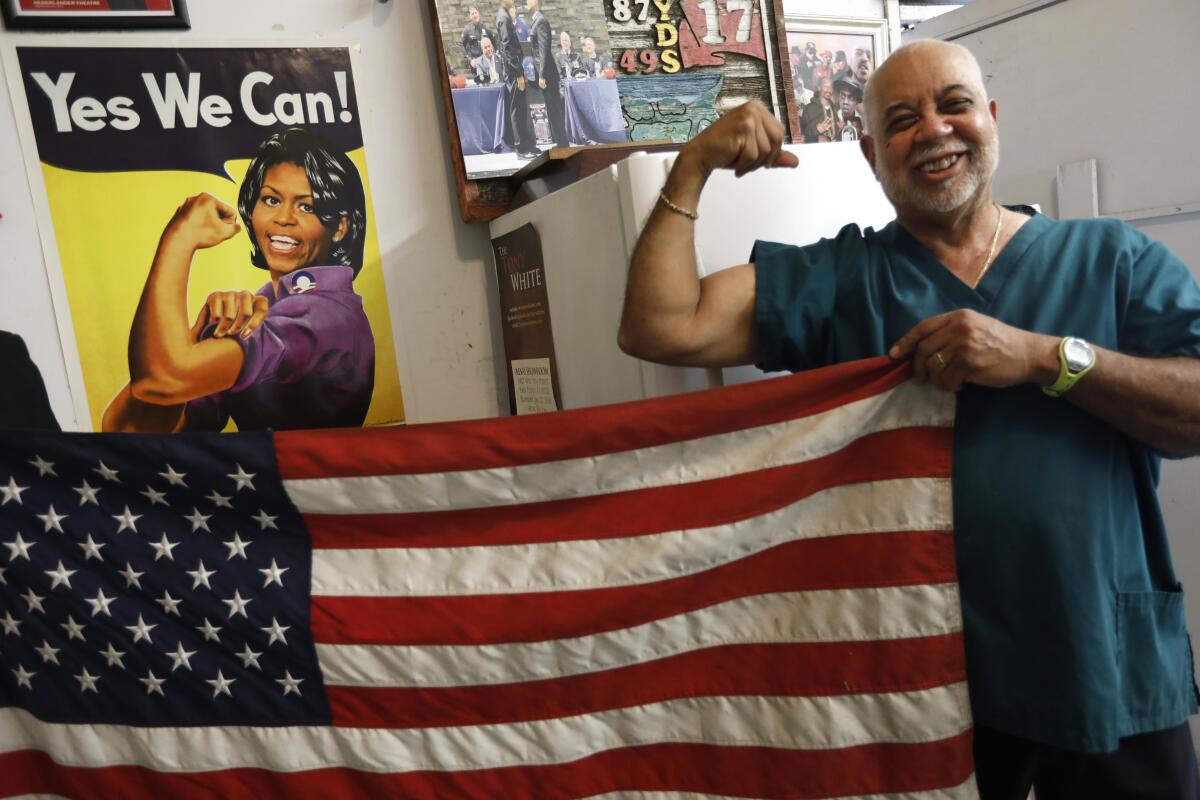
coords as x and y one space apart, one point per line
1079 354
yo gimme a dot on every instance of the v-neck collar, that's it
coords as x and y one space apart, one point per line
982 296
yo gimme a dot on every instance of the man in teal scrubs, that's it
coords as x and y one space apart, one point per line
1073 347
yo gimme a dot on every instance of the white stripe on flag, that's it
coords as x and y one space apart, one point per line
927 715
964 791
838 615
907 504
706 458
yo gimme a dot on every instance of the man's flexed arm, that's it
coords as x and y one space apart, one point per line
670 315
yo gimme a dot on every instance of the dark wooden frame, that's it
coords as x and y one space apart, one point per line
485 199
112 20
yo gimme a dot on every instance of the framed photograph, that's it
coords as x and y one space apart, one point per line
523 77
93 14
827 62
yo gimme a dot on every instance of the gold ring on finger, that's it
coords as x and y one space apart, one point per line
941 362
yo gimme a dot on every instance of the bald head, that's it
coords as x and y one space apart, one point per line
914 62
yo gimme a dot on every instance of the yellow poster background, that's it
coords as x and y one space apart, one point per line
107 227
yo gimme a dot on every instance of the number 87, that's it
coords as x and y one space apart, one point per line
623 13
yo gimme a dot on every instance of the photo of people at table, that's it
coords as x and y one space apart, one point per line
526 76
829 73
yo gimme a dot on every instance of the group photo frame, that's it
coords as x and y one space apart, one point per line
828 61
93 14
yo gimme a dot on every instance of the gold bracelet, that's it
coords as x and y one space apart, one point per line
666 201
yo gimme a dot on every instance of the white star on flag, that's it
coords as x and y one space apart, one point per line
105 472
12 492
289 683
249 657
153 684
113 656
164 548
209 630
276 632
49 654
274 574
9 624
200 575
60 576
52 520
91 548
87 494
131 576
100 603
155 497
3 580
127 520
237 547
217 499
237 604
23 677
265 520
198 520
221 684
87 682
141 631
44 467
169 604
19 548
74 629
181 658
242 479
172 477
34 601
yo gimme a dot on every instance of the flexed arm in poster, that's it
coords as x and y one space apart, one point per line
299 353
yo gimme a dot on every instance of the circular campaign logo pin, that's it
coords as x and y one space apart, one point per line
303 282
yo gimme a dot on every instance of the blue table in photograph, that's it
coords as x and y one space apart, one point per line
593 109
479 112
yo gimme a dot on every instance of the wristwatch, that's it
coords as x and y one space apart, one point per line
1075 358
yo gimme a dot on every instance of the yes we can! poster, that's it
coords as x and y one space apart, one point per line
206 219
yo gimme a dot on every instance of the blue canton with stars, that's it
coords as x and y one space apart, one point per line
153 580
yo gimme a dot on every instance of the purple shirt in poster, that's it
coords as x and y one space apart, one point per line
311 364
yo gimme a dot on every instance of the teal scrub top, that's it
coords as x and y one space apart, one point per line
1073 618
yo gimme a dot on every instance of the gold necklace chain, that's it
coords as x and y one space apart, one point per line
991 250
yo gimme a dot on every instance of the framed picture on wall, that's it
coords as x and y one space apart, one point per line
523 77
828 61
93 14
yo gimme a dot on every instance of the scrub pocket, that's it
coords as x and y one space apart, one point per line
1155 660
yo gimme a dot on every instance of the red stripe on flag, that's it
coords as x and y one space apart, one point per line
788 670
836 562
731 770
536 438
903 453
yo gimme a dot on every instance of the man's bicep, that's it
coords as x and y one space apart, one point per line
724 325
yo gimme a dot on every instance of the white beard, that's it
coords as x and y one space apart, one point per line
984 160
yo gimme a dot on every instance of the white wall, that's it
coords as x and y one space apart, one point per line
438 270
1109 80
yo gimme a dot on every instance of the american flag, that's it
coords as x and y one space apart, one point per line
746 592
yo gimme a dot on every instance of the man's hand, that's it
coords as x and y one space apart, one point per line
202 221
541 83
968 347
235 312
521 84
745 139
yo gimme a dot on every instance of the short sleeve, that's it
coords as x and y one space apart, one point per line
285 347
1161 316
795 293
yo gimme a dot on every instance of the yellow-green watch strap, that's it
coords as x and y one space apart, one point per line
1071 366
